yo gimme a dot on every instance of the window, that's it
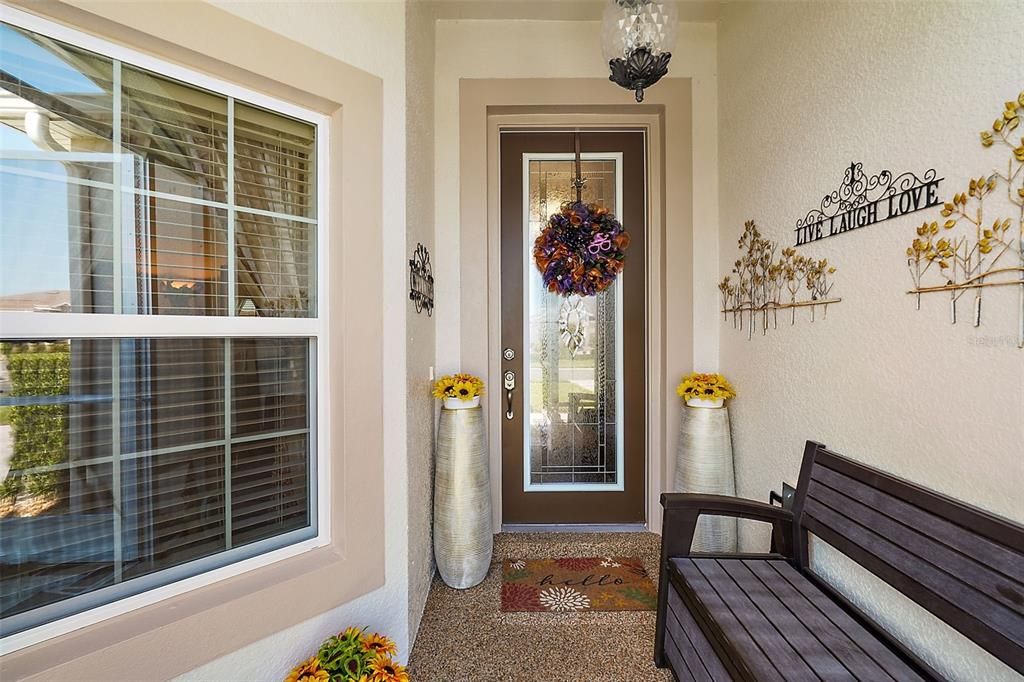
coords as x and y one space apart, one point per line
160 331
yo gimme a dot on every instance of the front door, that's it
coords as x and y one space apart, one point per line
573 446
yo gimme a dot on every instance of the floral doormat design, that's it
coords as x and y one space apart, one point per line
577 584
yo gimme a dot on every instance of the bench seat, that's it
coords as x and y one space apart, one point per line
754 617
778 625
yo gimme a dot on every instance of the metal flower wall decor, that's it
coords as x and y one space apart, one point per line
967 251
763 285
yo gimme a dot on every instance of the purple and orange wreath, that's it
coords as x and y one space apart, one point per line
581 250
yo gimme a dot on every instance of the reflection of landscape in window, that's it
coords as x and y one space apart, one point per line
34 372
125 192
573 405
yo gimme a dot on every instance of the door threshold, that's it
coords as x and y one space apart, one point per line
574 528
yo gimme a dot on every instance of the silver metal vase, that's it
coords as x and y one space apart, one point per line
704 464
463 540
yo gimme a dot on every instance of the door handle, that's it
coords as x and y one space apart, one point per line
510 385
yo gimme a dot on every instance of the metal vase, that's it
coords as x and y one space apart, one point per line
463 540
704 465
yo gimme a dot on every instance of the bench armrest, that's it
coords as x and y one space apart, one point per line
726 505
680 521
683 509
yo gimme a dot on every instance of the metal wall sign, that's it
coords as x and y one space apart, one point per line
863 200
421 280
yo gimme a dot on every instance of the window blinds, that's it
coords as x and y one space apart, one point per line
137 455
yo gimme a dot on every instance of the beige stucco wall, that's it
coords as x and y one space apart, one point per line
420 331
804 90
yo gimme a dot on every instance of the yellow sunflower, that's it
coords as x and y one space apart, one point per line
310 671
353 634
443 387
464 390
383 669
477 382
706 386
379 645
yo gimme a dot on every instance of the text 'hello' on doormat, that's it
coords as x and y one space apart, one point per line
577 584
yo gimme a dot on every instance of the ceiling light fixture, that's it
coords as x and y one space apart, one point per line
637 38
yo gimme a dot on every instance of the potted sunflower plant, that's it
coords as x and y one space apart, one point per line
459 391
705 390
352 656
462 488
704 460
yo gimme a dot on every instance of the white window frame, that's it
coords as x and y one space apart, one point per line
18 325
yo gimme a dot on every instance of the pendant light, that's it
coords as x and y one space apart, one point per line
637 38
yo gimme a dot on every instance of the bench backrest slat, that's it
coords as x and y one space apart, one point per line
961 563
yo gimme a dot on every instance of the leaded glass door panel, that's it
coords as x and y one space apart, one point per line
572 436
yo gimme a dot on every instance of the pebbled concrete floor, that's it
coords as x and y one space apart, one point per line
464 636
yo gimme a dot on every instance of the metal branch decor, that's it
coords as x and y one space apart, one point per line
966 252
763 285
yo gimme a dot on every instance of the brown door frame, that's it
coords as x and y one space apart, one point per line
585 507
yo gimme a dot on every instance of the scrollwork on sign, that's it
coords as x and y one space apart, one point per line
863 200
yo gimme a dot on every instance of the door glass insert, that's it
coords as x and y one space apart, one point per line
574 434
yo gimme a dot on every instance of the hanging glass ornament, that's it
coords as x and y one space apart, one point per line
637 37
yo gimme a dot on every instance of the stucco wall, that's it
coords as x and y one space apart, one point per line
804 90
420 331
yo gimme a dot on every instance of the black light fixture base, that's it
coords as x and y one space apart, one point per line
640 69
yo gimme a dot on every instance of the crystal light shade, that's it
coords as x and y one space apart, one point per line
637 37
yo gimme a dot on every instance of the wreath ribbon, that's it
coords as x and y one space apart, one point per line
581 250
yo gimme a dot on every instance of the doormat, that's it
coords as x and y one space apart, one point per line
577 584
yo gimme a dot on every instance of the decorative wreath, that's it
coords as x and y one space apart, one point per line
581 250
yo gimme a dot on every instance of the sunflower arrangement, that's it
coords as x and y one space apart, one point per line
352 656
581 250
462 386
705 387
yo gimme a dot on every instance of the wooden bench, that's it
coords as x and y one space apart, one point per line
769 617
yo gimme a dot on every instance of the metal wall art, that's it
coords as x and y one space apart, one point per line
421 280
764 286
966 251
862 200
